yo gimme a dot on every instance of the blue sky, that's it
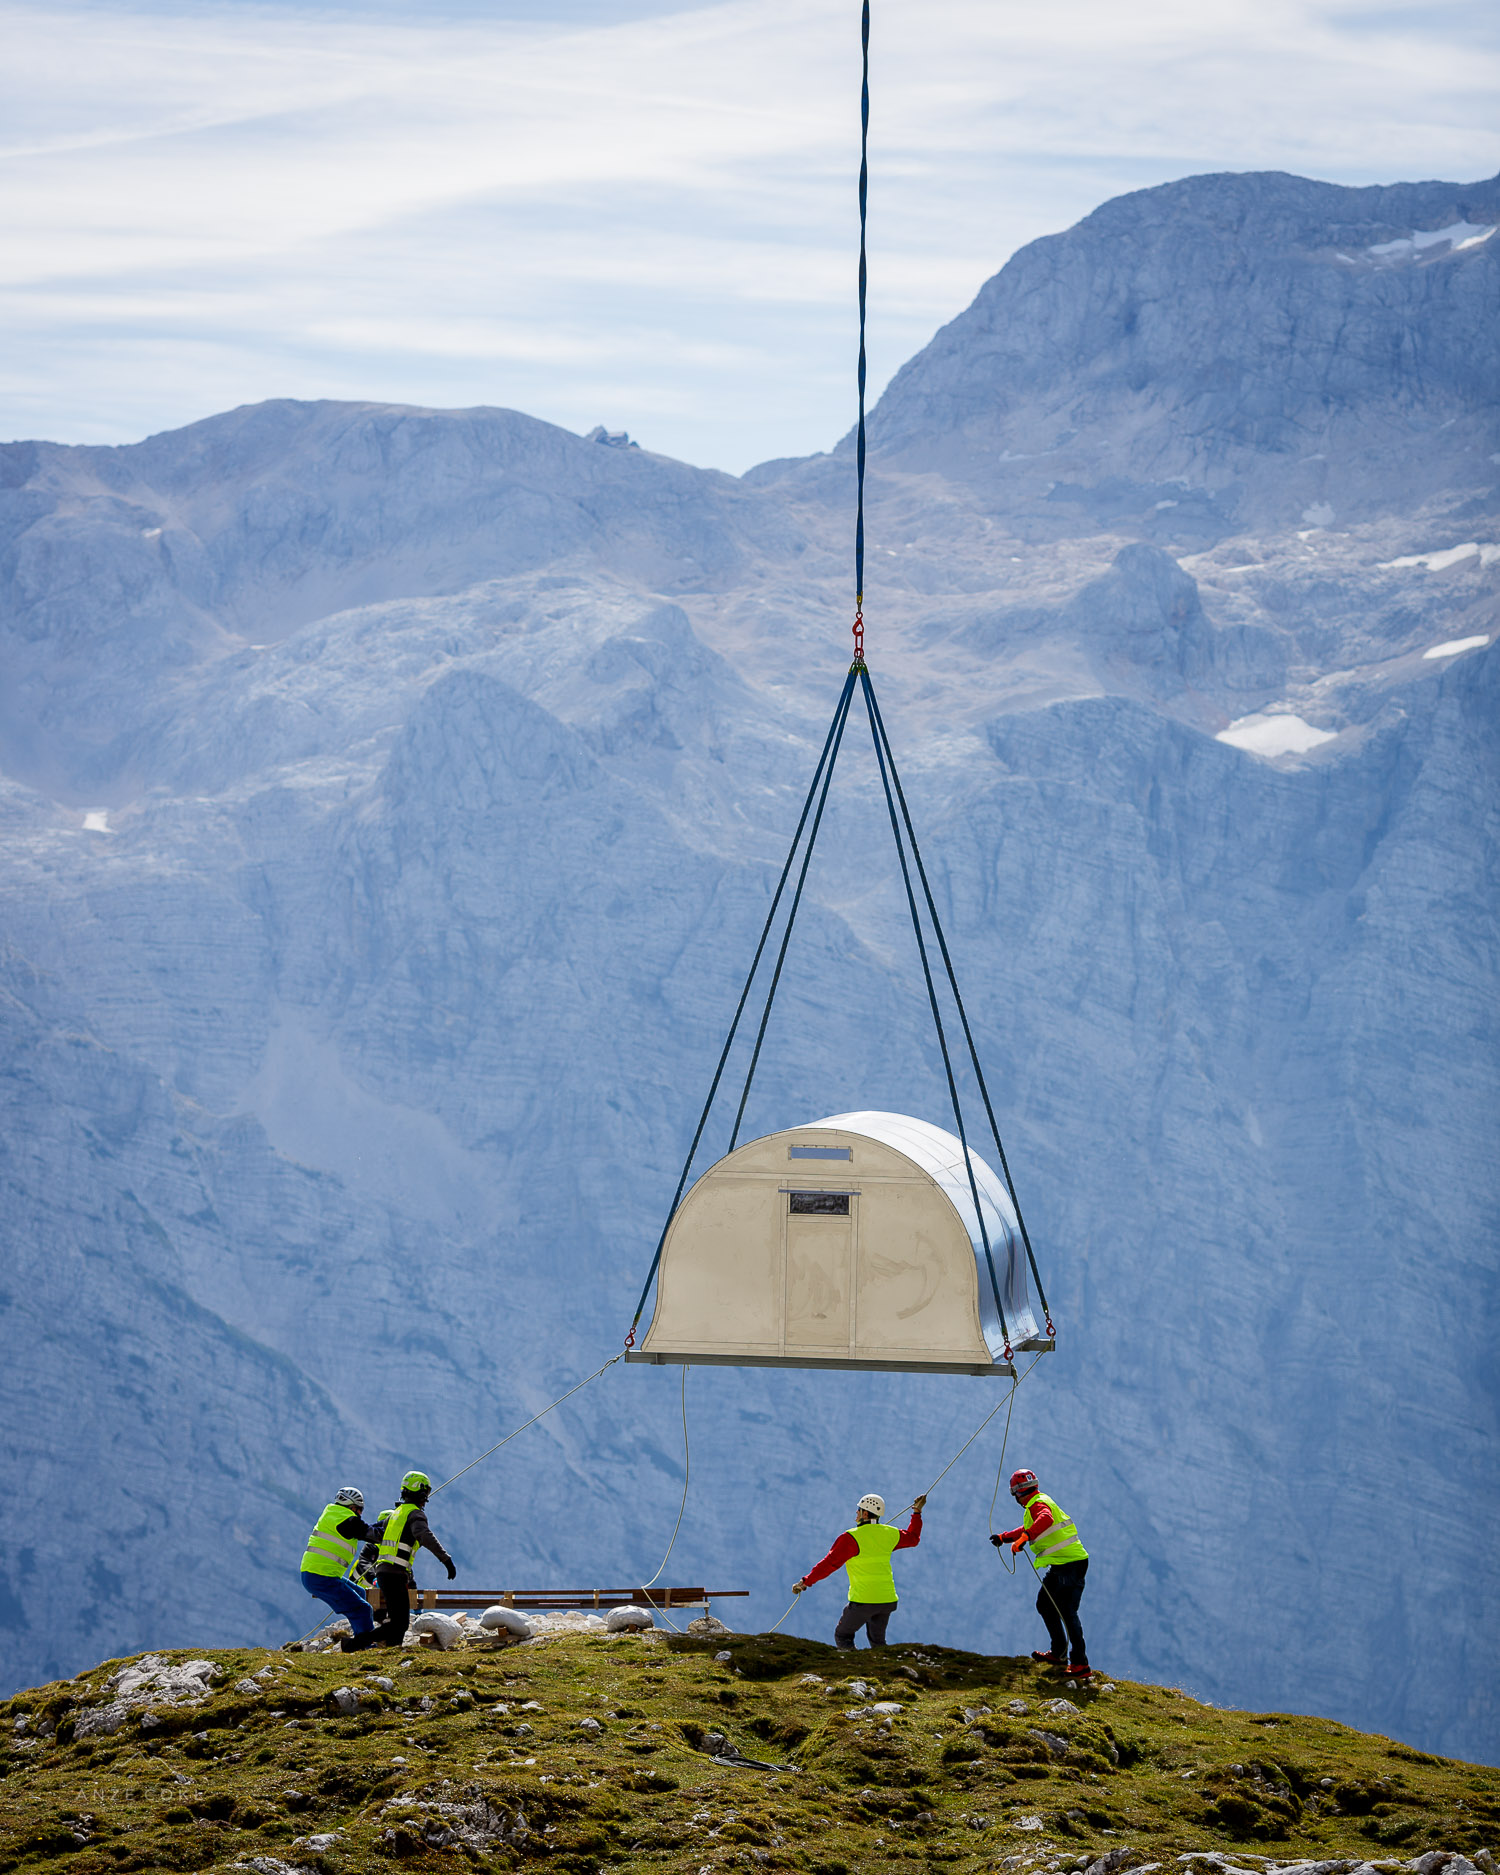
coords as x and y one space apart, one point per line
622 212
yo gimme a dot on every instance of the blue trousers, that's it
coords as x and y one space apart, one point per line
342 1597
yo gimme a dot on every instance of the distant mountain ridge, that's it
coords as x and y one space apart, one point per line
1278 343
390 800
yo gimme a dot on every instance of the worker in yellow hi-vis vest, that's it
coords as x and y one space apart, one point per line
1053 1537
865 1553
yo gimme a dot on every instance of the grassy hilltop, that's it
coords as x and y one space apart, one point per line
586 1750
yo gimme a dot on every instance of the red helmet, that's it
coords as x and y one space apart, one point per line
1022 1483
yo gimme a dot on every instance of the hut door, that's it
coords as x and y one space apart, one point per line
819 1268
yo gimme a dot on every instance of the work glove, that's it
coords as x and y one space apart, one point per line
452 1572
1018 1546
998 1540
798 1587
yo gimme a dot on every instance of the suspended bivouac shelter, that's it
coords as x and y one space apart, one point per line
868 1240
849 1243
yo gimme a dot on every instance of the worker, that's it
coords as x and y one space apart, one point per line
398 1534
1053 1537
326 1560
865 1552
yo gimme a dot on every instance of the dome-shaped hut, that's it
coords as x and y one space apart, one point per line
852 1242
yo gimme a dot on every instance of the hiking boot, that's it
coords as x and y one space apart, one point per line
1047 1659
1081 1670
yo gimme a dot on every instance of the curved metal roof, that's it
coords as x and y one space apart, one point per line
941 1156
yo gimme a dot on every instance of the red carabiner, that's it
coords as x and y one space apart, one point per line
859 635
630 1338
1051 1331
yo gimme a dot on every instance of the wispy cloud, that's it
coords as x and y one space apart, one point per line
632 216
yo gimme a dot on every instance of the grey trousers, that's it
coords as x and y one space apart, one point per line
872 1616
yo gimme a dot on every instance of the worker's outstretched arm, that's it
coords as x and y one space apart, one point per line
844 1546
911 1536
418 1528
371 1551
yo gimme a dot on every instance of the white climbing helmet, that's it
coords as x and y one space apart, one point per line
873 1503
354 1499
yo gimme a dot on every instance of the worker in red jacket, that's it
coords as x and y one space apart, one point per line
1053 1537
865 1553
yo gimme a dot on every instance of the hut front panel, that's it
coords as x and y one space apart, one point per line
819 1281
722 1291
917 1285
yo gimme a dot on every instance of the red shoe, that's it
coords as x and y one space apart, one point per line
1083 1671
1047 1660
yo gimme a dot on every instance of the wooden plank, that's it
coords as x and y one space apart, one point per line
559 1599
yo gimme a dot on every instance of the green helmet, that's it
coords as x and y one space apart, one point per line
416 1481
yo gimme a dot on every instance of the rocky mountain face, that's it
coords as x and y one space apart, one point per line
391 801
1244 348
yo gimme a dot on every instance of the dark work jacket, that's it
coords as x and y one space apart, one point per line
420 1533
354 1529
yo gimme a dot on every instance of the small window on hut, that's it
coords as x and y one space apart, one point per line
819 1203
820 1152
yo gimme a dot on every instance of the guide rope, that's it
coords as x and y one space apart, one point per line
1009 1404
530 1422
859 446
687 1472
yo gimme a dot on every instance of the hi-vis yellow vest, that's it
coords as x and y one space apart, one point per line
871 1578
1059 1543
328 1553
395 1546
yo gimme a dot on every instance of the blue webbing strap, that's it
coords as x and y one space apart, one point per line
841 716
937 926
830 746
859 446
937 1019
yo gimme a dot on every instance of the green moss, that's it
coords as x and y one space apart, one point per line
943 1782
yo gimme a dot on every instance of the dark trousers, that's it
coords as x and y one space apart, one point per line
342 1597
395 1594
1057 1603
871 1616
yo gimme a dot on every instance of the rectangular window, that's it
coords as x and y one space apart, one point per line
820 1152
819 1203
